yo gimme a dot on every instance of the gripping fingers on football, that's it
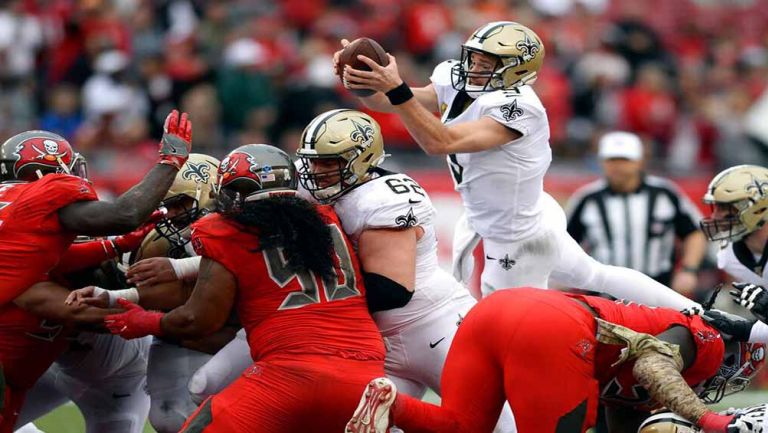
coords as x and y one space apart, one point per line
353 79
336 56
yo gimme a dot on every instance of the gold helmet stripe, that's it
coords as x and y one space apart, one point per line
310 134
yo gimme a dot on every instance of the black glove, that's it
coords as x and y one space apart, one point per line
696 310
731 326
752 297
748 420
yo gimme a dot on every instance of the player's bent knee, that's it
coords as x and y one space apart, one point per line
197 387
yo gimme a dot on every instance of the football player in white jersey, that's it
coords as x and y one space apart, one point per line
738 197
390 220
495 133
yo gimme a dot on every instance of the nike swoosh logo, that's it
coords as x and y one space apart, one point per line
115 395
413 201
489 257
433 345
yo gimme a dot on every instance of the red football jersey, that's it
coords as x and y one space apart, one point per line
283 312
31 242
617 384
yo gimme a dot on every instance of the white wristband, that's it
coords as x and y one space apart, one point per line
128 294
759 333
187 268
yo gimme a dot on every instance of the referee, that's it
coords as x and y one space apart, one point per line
632 219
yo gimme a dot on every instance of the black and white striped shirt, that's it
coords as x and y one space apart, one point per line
635 230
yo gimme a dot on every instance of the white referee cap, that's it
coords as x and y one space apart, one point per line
620 144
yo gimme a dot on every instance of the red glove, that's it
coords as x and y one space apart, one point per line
712 422
135 322
177 140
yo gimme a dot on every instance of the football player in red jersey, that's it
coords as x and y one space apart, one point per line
44 203
553 356
296 283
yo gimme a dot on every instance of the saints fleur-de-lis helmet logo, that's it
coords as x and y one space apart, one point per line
200 172
528 46
362 134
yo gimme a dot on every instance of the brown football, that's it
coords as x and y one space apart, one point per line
366 47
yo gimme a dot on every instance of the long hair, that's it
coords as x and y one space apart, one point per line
293 224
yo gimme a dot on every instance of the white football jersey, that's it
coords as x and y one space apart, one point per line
500 187
736 260
394 200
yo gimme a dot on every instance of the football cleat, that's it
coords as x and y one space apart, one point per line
372 414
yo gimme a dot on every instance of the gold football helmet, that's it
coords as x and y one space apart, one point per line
338 150
741 193
189 198
518 50
667 422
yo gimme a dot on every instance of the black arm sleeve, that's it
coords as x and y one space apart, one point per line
382 294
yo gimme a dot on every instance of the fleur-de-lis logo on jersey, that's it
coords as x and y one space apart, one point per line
363 134
506 263
199 173
511 111
407 220
528 47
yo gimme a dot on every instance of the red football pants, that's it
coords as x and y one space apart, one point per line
532 347
305 393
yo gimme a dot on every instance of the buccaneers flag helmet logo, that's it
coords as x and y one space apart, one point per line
238 165
42 151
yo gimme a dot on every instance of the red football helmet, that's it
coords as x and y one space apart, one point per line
741 363
253 172
31 154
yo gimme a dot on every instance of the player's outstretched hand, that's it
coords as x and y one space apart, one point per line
730 325
135 322
752 297
151 271
336 56
176 143
92 295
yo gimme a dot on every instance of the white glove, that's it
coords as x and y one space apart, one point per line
749 420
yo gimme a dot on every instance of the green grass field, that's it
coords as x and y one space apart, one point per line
67 419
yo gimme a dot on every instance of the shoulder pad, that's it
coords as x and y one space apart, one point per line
392 201
518 109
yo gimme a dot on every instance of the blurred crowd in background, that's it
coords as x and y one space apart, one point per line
688 75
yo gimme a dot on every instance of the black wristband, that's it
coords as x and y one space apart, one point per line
400 94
